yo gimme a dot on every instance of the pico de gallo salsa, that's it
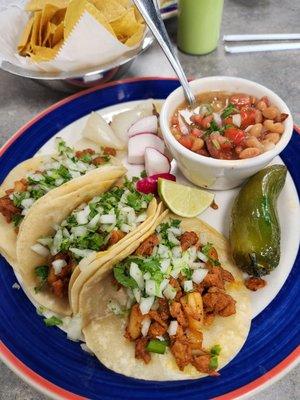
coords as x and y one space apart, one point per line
228 126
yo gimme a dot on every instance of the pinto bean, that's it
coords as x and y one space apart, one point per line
270 112
276 127
261 105
249 153
256 130
258 116
252 141
198 144
273 137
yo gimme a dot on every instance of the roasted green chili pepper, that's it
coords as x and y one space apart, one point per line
255 230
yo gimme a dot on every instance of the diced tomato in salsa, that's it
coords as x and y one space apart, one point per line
220 126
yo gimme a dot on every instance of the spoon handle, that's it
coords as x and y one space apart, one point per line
151 15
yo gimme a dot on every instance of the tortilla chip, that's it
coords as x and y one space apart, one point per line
58 35
136 38
35 37
25 38
126 25
75 10
47 13
38 5
41 53
111 9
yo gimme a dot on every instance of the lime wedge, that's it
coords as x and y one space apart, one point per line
183 200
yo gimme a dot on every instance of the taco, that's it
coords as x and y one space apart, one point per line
35 177
61 237
173 307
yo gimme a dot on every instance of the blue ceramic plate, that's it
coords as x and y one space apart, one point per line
56 366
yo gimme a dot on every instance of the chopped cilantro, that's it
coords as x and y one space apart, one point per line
215 350
206 250
227 111
143 174
64 172
36 193
91 241
41 272
124 279
17 219
187 272
213 364
18 198
53 321
62 148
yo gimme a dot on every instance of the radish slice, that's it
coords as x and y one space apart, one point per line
98 130
156 162
137 145
149 184
147 124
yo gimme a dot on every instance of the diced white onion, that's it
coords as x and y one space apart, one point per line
47 241
40 250
16 286
163 284
150 287
27 203
145 326
217 119
81 252
79 230
197 265
172 238
237 120
58 266
169 292
199 275
182 126
163 251
74 174
137 275
202 256
176 231
137 294
186 114
203 237
188 286
108 219
176 251
74 328
192 253
173 328
35 177
146 304
164 265
94 221
125 228
59 181
147 276
82 216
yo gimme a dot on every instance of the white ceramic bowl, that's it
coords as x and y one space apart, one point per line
209 172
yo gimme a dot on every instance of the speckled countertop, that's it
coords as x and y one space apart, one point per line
20 100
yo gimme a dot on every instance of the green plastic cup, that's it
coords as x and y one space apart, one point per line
199 23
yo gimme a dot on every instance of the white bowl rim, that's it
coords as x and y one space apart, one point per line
245 163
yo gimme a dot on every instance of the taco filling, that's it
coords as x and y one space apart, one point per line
67 164
176 286
90 228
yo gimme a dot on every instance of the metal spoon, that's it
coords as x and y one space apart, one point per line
151 14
